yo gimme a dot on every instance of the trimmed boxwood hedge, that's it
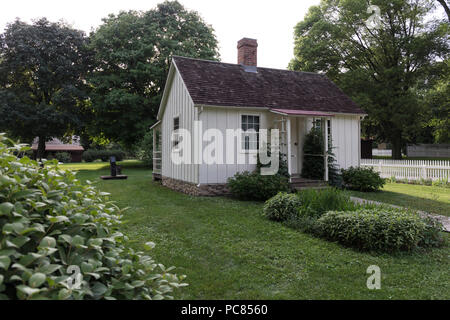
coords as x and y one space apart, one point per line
381 229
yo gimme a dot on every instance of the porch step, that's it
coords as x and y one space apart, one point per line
299 183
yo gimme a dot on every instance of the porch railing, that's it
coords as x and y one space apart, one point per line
157 162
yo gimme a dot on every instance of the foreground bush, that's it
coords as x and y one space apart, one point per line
282 206
362 179
253 186
60 239
382 229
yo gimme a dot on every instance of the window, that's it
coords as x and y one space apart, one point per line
317 123
176 126
250 134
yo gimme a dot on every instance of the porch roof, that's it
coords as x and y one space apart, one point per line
292 112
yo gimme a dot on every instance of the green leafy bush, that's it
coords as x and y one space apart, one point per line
362 179
253 186
382 229
63 157
103 155
316 202
144 149
52 225
282 206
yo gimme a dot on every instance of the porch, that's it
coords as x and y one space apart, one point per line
157 151
294 125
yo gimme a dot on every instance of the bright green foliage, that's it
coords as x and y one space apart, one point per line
379 68
42 89
381 229
315 203
282 206
51 225
362 179
254 186
133 53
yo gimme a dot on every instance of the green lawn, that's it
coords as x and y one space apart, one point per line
425 198
229 251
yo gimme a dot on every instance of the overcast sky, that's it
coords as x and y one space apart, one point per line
270 22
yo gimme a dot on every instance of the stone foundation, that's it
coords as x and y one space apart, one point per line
192 189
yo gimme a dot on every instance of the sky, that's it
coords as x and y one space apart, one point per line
270 22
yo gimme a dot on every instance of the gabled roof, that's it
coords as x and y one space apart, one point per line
57 145
224 84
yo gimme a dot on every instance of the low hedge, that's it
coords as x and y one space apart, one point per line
103 155
381 229
282 206
254 186
61 239
362 179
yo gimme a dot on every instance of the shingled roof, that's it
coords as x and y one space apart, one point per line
224 84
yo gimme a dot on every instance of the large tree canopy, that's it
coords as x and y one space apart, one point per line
42 92
132 53
380 68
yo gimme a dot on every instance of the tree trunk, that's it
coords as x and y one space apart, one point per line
41 148
397 149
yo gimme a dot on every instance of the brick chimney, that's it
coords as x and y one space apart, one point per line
247 52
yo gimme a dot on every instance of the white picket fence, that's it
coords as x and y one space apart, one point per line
410 169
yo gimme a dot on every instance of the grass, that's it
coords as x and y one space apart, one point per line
426 198
229 250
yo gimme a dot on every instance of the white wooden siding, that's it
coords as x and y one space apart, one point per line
179 104
222 119
345 132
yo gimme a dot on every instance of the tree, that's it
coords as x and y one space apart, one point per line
379 68
42 92
133 53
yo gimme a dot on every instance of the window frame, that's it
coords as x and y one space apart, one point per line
240 140
176 141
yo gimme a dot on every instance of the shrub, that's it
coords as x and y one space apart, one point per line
103 155
383 229
253 186
63 157
362 179
314 203
432 236
144 149
282 206
52 225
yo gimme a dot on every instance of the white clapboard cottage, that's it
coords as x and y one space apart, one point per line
243 96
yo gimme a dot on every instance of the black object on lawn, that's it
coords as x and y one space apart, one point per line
116 171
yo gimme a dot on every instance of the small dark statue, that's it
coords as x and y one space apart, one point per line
116 170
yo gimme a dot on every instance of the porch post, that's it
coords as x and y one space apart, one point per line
325 158
288 129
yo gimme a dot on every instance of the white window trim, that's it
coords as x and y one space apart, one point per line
239 142
175 148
